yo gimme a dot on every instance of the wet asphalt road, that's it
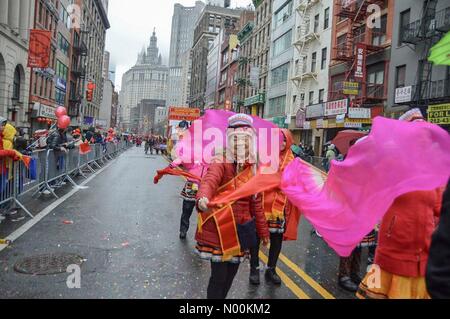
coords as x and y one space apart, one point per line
127 230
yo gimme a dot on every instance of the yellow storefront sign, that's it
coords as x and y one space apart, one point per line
351 88
439 114
362 121
332 123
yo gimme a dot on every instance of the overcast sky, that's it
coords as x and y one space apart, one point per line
132 23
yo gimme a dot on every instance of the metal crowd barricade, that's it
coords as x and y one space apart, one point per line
98 149
73 161
57 169
91 158
109 151
8 185
49 170
33 176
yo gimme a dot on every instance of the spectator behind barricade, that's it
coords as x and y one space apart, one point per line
21 145
98 138
89 136
57 140
7 136
77 138
7 132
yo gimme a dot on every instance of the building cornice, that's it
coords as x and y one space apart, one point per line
15 39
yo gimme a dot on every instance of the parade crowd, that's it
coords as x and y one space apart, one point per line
409 248
60 138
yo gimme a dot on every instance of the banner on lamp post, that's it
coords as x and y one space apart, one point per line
39 49
360 72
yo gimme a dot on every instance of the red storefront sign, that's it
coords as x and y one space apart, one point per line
334 108
183 114
361 53
39 49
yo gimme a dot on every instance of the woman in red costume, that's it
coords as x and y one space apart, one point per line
281 216
218 229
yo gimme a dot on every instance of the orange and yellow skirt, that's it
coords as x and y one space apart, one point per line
380 284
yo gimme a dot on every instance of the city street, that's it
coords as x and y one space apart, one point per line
126 230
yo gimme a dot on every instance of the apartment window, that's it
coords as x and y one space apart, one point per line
305 60
222 96
283 14
64 17
223 78
326 18
321 95
405 19
225 58
400 76
341 41
16 84
282 43
323 63
280 74
35 86
62 71
375 80
60 96
379 35
63 44
316 23
313 61
277 106
311 97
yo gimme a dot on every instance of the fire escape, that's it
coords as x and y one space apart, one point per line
304 38
78 72
424 34
355 14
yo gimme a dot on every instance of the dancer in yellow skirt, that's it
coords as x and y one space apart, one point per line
403 244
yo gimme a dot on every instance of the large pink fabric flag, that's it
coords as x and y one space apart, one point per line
395 159
211 128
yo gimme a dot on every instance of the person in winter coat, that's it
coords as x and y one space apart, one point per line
189 195
438 270
57 140
216 241
330 156
7 141
278 212
404 244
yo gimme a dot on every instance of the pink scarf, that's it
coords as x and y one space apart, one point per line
395 159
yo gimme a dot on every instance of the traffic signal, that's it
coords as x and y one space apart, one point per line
89 95
90 91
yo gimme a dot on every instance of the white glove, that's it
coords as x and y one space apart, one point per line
203 204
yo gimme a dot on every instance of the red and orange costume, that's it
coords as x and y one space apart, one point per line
217 233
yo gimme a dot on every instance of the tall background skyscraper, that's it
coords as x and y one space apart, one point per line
147 80
183 24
